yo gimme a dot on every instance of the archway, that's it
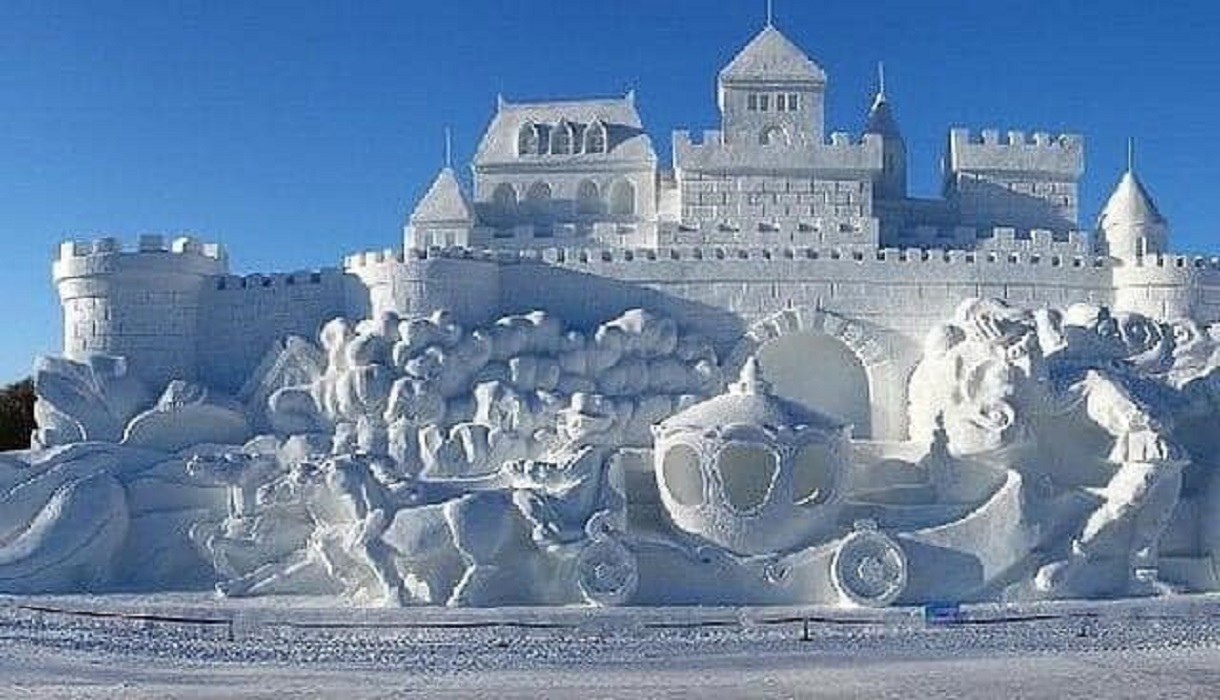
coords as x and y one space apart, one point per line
819 372
885 358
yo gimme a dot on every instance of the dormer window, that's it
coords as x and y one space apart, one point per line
562 139
595 138
528 140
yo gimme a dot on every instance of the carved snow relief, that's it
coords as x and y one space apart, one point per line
411 461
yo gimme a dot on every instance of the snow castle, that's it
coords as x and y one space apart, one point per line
960 398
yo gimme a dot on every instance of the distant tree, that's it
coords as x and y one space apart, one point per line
16 415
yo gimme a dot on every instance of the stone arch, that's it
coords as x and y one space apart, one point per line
774 135
848 345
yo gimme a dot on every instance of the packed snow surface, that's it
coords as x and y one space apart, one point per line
174 645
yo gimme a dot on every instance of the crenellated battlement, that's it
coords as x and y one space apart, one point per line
154 243
1015 151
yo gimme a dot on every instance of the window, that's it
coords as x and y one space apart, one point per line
504 197
682 475
528 141
562 139
781 103
773 136
622 198
752 102
588 198
538 201
794 101
595 138
764 102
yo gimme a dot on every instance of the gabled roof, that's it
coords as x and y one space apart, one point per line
626 139
1130 204
444 202
770 56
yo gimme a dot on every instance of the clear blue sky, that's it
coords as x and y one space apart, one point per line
295 131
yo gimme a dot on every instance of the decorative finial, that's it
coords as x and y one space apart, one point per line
881 78
448 147
770 13
1131 154
750 380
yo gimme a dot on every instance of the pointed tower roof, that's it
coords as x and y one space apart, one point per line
1130 204
880 117
771 56
444 202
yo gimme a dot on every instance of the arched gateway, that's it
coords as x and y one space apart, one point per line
846 368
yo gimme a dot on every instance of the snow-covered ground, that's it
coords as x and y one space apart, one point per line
190 646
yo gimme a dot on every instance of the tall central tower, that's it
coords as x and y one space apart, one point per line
772 93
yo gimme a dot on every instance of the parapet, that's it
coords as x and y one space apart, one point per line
843 152
1060 156
152 253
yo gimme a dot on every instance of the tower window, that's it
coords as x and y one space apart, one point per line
752 102
595 138
528 142
781 103
764 102
794 101
562 139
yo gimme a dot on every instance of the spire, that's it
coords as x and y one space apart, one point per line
448 148
1130 224
444 202
880 117
770 13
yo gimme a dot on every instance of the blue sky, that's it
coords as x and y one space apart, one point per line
295 131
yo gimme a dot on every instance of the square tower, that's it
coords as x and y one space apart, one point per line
771 93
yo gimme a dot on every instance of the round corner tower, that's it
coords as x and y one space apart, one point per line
142 304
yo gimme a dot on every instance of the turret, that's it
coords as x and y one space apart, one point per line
891 183
1130 225
141 304
444 217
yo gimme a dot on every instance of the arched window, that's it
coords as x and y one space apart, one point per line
588 198
562 138
528 141
539 198
595 138
505 199
773 136
622 198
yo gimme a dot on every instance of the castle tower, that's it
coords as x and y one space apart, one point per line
444 217
892 181
143 304
1130 225
772 93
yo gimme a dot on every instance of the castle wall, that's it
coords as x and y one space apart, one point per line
1169 287
244 317
719 291
421 281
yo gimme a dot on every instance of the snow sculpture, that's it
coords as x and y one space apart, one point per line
1058 397
749 471
1053 453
